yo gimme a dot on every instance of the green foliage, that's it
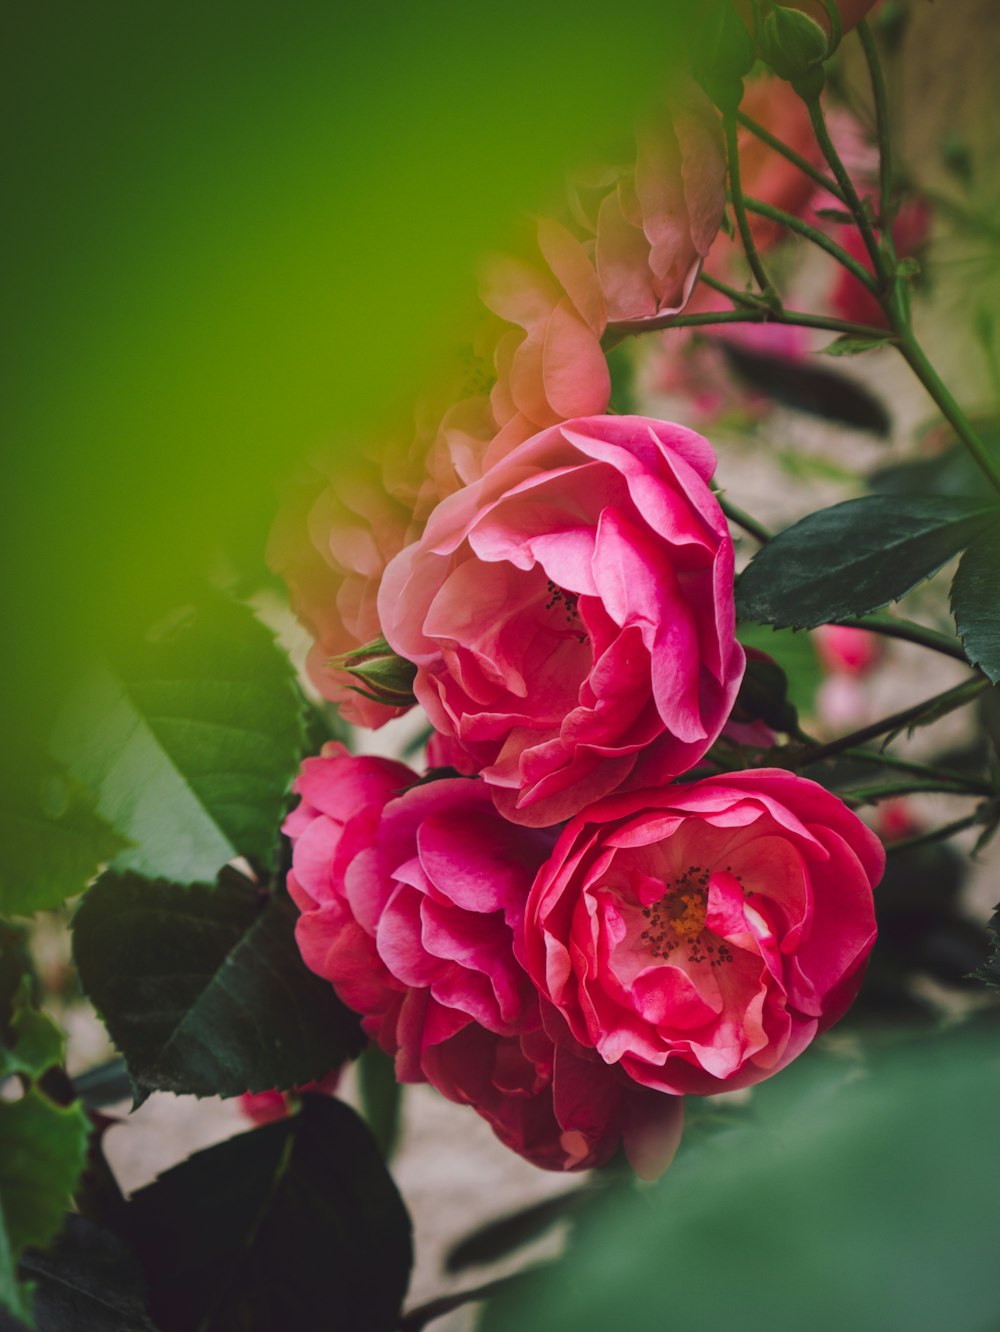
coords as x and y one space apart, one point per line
975 603
293 1225
763 697
53 839
205 991
840 1201
846 345
42 1151
88 1281
855 557
989 972
804 387
34 1043
795 654
190 740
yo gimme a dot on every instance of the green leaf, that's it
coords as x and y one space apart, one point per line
205 991
975 603
840 1202
763 697
851 346
53 839
989 972
805 387
190 740
42 1152
854 557
294 1225
35 1042
794 653
88 1281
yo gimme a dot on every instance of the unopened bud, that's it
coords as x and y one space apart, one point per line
793 44
382 676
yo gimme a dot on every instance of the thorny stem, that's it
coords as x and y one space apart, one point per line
935 835
972 785
949 408
624 328
803 163
881 100
817 237
739 209
939 706
870 795
851 196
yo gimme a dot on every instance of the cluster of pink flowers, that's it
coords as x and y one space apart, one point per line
557 931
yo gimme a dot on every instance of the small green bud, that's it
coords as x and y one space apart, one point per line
382 676
792 43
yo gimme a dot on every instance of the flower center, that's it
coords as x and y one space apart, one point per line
564 604
677 920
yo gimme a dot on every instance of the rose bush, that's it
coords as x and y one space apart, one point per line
571 615
411 900
699 936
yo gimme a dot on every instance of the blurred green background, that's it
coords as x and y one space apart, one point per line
239 232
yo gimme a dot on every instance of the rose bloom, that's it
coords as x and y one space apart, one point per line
571 615
699 936
655 218
411 900
331 540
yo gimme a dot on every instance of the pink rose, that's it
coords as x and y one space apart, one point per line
699 936
330 542
549 364
571 615
655 219
410 906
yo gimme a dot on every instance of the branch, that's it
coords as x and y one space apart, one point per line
803 163
935 835
742 222
939 706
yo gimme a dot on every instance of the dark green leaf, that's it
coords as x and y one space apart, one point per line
808 388
89 1281
763 697
53 839
975 603
854 557
42 1152
989 972
292 1226
795 654
952 473
190 740
850 346
204 991
843 1202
